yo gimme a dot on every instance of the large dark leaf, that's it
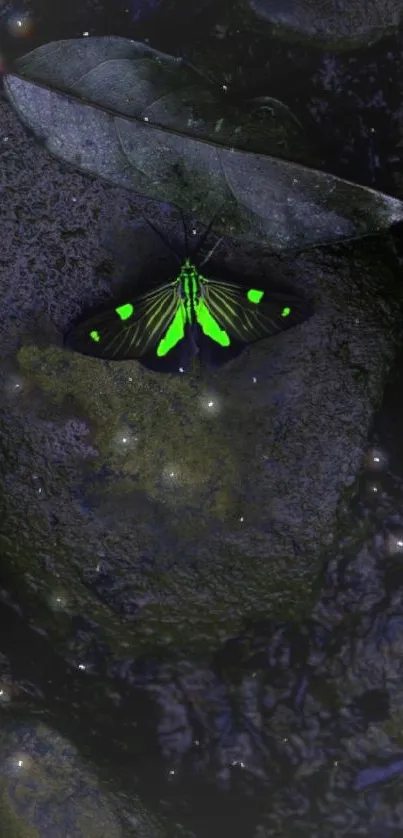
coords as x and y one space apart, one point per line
146 121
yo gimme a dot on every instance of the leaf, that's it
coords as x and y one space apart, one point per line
143 120
131 79
340 24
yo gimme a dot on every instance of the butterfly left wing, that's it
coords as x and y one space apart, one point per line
152 321
246 314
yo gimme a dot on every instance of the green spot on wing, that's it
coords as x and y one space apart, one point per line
210 326
174 333
94 335
286 311
254 296
124 311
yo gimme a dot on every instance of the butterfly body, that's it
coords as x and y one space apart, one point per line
165 327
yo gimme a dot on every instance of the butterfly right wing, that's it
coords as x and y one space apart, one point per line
248 314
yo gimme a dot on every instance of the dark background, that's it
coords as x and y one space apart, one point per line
350 105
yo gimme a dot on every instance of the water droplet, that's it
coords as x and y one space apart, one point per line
376 459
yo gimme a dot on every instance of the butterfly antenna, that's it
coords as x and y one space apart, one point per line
209 255
185 233
203 237
163 239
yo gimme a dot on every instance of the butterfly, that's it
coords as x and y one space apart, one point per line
191 315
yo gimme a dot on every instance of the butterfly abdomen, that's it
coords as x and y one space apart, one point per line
190 290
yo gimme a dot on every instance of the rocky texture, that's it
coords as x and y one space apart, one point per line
128 504
126 487
46 790
336 23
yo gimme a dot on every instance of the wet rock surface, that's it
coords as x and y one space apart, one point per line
105 557
181 503
131 647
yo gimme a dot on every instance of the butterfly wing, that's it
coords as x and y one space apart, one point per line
231 316
151 328
249 314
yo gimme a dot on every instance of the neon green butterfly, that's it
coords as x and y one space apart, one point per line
193 314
